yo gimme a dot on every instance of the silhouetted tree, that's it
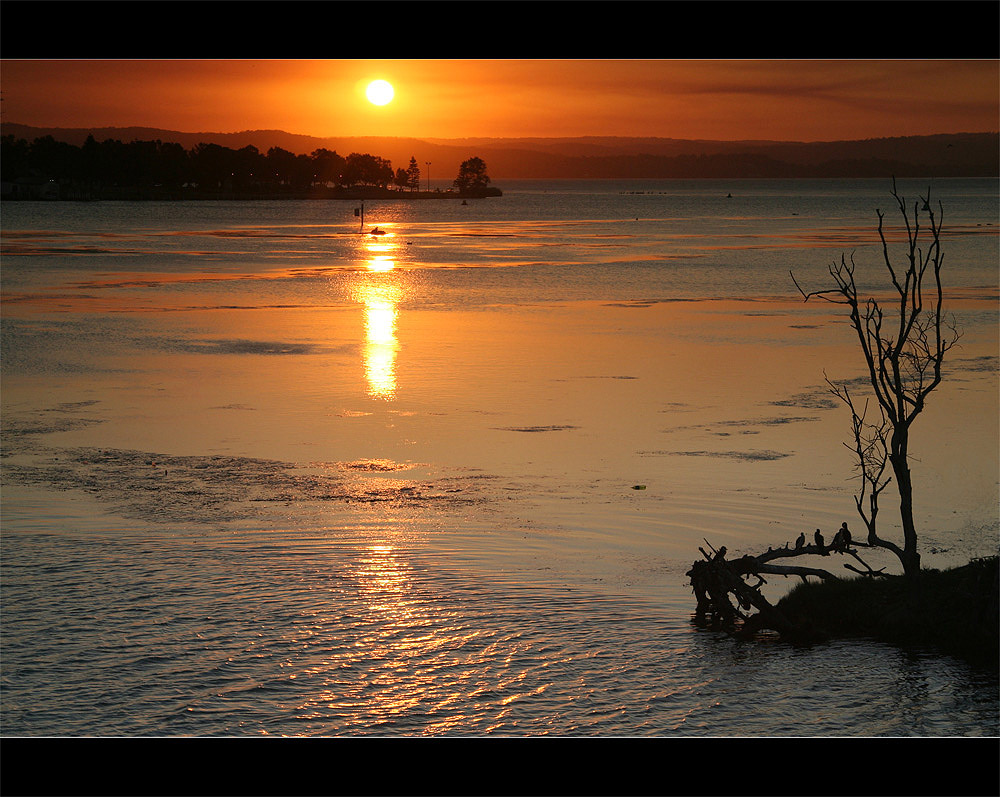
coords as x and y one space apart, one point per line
472 175
402 178
170 167
140 166
303 172
54 160
280 165
112 162
211 165
147 164
413 174
14 157
328 166
90 163
367 170
904 344
248 168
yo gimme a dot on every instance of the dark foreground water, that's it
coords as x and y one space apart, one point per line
248 634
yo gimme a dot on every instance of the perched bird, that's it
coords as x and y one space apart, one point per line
837 541
819 543
845 535
801 541
720 554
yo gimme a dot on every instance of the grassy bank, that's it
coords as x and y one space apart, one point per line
955 610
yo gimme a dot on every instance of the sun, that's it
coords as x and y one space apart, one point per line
379 92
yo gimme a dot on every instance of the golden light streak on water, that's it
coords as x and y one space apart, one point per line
383 580
381 263
380 300
380 341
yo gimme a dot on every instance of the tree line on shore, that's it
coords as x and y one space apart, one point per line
96 166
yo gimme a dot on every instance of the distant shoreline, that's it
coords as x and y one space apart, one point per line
586 158
154 194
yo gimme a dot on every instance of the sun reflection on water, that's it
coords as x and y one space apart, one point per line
380 298
383 580
380 340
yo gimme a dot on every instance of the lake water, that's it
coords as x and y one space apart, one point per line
263 475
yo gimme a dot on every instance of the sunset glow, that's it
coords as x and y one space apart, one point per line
431 398
798 100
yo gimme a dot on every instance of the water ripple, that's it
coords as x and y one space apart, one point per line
336 637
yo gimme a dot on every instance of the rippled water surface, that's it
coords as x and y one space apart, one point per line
303 634
263 475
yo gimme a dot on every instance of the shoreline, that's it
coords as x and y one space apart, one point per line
41 193
955 614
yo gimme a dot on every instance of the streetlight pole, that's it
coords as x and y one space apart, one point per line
428 165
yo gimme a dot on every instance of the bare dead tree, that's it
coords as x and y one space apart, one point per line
904 342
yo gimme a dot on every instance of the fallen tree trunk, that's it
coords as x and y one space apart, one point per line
724 594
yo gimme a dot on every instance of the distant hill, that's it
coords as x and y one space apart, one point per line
946 155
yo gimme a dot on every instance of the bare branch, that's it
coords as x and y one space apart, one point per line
867 571
820 294
903 368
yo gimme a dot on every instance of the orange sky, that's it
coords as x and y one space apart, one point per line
817 100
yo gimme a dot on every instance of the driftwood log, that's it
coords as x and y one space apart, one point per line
727 598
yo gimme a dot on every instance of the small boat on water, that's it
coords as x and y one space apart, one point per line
377 231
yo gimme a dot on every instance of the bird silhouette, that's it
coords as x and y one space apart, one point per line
845 535
801 541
